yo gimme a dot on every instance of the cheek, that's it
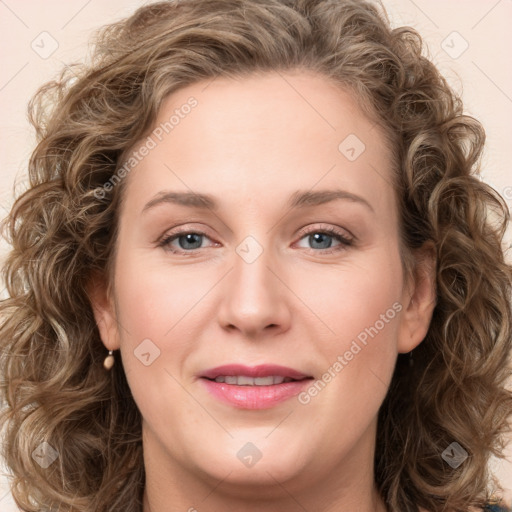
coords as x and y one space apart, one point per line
156 311
155 307
362 306
354 297
360 310
155 299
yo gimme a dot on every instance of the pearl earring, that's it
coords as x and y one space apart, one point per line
109 361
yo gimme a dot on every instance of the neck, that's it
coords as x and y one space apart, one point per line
374 503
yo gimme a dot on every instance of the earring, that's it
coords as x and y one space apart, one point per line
109 361
411 360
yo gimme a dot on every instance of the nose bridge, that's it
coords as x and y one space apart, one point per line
251 267
254 297
251 275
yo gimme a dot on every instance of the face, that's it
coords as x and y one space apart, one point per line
259 325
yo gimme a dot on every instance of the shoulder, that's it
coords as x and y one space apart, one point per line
490 507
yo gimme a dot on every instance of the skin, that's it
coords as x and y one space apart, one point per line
251 143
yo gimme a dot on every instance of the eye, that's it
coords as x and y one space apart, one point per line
322 239
183 241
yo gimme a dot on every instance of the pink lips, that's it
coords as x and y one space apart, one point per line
263 370
254 396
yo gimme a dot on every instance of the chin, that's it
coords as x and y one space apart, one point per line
250 467
264 479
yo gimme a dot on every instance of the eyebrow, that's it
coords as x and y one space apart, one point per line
299 199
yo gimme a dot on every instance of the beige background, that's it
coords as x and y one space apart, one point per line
470 40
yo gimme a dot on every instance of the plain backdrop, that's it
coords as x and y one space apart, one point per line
469 40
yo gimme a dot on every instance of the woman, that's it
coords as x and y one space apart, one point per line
144 374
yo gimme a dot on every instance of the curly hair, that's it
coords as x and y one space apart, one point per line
62 231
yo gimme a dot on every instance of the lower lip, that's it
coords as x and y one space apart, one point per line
254 397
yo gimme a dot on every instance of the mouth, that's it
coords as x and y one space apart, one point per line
257 387
244 380
254 372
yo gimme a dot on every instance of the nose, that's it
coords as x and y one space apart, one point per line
255 298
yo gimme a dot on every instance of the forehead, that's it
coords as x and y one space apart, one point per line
258 135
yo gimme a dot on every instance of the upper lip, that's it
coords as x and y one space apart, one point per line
262 370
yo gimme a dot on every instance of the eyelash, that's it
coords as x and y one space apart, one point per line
342 238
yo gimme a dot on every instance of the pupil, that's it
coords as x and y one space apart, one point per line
320 237
190 239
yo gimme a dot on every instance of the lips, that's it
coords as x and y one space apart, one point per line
244 380
253 387
263 370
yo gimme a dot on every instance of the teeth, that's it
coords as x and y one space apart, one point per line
243 380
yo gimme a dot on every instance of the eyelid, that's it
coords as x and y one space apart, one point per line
346 238
176 232
328 228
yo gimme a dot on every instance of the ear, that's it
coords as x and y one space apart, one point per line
103 307
419 299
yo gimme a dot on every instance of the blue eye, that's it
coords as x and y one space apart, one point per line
321 241
322 238
187 240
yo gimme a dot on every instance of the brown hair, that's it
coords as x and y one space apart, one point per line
61 230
